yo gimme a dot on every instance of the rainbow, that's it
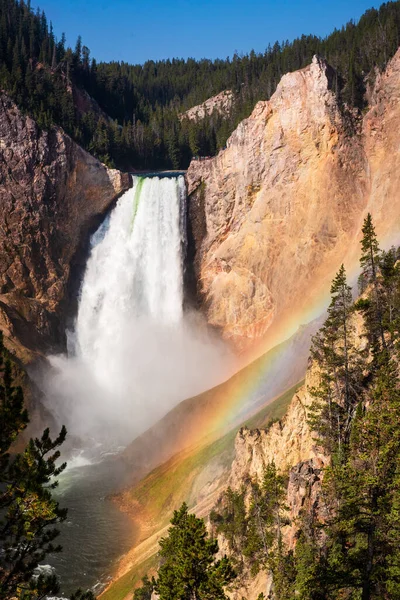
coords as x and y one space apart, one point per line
226 404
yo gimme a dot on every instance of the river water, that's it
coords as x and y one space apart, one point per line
96 533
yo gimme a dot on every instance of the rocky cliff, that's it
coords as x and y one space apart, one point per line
52 193
221 104
277 211
290 444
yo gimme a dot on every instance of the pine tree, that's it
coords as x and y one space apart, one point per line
362 533
27 529
310 576
353 552
145 591
370 261
390 272
78 53
269 512
254 536
340 366
231 520
13 416
189 570
28 511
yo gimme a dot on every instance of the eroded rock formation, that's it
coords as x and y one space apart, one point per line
51 194
283 204
287 442
221 103
291 445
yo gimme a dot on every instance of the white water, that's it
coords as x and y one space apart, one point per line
135 273
133 353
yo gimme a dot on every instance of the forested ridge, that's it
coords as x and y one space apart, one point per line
128 115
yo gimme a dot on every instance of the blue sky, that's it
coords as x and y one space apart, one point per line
138 30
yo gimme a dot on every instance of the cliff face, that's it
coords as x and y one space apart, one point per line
287 442
381 138
283 204
51 194
221 103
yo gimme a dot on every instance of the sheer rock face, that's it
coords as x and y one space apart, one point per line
284 202
381 136
52 192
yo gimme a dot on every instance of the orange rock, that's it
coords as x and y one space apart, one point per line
284 203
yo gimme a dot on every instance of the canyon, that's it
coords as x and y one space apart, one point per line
270 219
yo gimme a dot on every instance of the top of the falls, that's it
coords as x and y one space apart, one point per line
159 174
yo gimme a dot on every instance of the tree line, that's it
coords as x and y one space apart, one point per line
129 115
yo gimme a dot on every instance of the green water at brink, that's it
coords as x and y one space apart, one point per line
136 199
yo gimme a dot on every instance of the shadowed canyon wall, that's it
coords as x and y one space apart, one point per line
51 193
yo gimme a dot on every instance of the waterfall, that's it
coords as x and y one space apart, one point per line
135 270
133 352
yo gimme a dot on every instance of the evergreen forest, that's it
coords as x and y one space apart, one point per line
129 115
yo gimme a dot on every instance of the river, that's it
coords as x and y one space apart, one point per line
96 533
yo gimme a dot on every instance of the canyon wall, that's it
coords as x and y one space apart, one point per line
275 213
52 194
291 445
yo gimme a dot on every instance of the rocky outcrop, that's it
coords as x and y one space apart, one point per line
52 193
304 494
291 445
284 202
221 104
286 443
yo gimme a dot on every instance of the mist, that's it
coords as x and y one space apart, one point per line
150 370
